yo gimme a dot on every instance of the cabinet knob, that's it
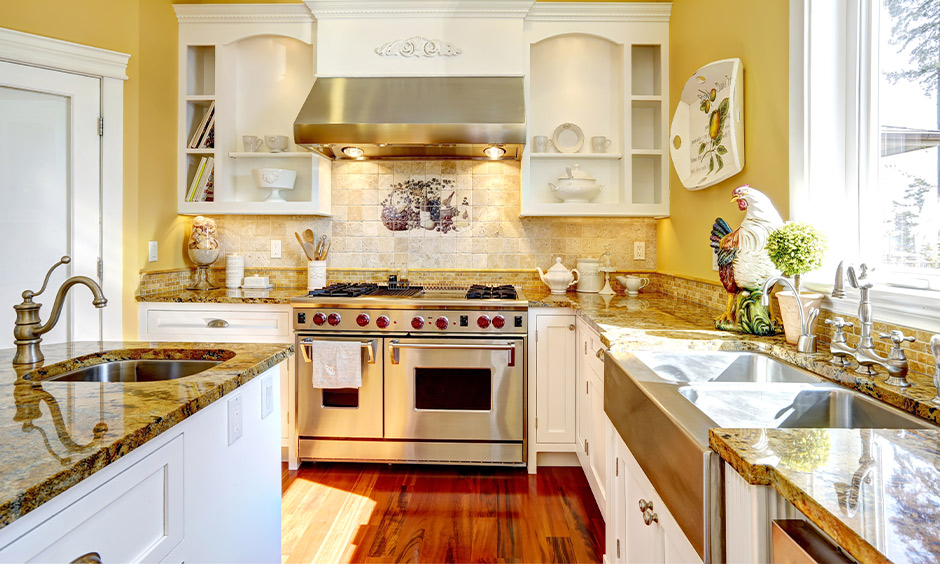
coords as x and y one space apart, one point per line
600 353
89 558
650 518
571 327
217 324
645 505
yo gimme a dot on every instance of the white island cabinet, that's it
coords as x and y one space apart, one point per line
187 495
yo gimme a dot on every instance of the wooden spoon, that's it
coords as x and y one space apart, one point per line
310 236
302 246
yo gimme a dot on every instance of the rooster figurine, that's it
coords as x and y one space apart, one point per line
743 263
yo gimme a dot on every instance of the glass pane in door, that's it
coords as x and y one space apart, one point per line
456 389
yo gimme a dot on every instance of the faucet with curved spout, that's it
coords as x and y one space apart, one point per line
807 341
28 328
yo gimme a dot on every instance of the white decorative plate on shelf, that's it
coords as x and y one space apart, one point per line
568 138
706 139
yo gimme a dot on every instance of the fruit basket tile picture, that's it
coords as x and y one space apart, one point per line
707 132
425 204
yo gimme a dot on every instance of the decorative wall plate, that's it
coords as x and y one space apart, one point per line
706 139
568 138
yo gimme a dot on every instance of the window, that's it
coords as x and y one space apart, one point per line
864 136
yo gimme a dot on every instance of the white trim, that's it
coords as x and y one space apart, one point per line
112 207
39 51
241 13
915 309
327 9
600 11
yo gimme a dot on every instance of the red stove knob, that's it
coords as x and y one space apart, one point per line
499 321
334 319
442 323
483 321
382 322
319 319
362 319
417 322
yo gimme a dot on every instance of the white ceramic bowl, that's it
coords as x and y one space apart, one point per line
576 189
280 178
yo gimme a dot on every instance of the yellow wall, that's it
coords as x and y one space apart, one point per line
757 33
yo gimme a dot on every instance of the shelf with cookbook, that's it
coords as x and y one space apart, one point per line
241 83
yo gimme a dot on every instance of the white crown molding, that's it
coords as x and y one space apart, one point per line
600 11
242 13
351 9
39 51
418 46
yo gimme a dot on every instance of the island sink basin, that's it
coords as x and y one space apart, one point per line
721 366
136 371
786 406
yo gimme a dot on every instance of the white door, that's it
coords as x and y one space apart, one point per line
50 194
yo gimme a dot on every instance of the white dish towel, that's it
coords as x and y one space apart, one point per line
337 364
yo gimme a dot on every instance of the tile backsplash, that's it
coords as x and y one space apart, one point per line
446 214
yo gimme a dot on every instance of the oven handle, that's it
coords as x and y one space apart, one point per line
306 344
394 345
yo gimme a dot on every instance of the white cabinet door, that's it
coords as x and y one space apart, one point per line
643 544
584 413
555 379
597 451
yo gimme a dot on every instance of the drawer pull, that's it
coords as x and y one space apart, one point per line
90 558
217 324
600 353
646 508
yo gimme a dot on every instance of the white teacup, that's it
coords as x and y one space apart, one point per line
252 143
633 284
600 144
277 143
539 144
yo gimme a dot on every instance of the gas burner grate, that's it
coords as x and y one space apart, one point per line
404 292
481 292
344 290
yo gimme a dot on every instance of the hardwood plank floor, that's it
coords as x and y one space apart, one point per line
339 513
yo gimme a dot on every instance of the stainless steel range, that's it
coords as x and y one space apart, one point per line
443 374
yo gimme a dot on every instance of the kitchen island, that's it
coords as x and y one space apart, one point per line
62 441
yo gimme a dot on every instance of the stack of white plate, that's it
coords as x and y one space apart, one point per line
234 270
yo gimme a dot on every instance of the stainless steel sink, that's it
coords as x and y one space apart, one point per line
697 367
785 406
136 371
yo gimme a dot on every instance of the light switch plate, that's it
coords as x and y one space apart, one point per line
267 396
152 251
714 262
275 248
235 420
639 250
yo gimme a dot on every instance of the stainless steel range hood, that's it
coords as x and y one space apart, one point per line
452 117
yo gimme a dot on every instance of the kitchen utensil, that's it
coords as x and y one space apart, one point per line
577 186
275 180
322 247
252 143
558 278
539 144
591 280
600 144
303 246
568 138
277 143
310 236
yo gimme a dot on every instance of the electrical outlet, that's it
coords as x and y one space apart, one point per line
275 248
152 251
235 422
639 250
714 262
267 396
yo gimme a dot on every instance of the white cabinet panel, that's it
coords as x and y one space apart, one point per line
555 379
233 325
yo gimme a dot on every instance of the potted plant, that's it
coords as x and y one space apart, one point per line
795 249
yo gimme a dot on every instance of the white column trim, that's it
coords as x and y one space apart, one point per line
325 9
46 52
241 13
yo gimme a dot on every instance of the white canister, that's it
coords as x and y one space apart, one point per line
592 279
316 274
234 270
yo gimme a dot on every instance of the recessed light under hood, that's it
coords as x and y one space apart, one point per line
452 117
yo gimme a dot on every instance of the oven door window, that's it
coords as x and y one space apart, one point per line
453 389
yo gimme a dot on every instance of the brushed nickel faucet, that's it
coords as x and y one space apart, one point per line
838 347
807 341
935 349
28 328
864 353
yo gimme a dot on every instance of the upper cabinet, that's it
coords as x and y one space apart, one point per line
597 70
245 70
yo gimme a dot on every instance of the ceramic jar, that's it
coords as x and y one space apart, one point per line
591 278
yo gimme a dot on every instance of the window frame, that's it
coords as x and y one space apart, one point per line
833 109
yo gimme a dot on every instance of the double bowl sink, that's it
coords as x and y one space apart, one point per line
664 403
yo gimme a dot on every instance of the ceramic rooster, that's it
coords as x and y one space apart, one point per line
743 262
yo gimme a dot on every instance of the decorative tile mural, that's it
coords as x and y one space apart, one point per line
422 204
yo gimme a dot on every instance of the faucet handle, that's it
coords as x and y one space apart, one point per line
896 337
28 295
839 323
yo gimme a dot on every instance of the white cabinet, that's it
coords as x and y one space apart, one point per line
230 323
255 65
640 528
605 69
592 429
555 378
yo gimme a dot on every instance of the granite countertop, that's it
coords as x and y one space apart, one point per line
874 491
227 296
104 421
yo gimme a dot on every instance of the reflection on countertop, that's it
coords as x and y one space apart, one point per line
54 434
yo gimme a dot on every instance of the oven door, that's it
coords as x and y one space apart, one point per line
455 389
340 413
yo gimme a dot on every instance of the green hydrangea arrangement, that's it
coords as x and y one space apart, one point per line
796 248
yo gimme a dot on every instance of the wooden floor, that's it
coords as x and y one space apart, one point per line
400 513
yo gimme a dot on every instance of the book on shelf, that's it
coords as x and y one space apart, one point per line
199 189
208 121
208 140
